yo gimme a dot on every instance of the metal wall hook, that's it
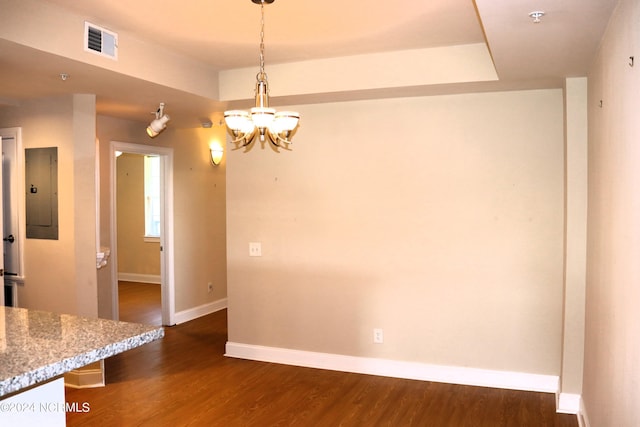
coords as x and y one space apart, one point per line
631 61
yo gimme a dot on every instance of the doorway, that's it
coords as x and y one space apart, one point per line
167 280
12 206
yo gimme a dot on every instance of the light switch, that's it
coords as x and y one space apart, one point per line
255 249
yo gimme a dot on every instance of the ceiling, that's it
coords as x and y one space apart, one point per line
224 35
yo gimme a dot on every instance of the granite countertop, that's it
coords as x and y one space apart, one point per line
36 346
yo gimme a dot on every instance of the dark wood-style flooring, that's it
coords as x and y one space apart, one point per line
139 302
185 380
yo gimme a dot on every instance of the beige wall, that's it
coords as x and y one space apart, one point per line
200 218
60 275
135 255
612 342
199 210
438 219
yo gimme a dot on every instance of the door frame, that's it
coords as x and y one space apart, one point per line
17 205
167 271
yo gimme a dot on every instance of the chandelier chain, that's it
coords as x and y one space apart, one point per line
262 75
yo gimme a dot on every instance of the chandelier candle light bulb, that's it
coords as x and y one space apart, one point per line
262 122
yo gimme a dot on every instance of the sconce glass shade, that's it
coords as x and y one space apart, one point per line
157 126
216 153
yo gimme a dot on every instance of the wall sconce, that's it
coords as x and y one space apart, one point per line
160 122
216 153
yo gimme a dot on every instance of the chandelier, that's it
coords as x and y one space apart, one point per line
262 122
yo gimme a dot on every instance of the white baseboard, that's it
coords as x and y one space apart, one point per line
140 278
568 403
396 369
202 310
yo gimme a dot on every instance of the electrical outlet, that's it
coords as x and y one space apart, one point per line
255 249
210 287
378 336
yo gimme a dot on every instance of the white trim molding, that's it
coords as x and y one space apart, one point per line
568 403
201 310
396 369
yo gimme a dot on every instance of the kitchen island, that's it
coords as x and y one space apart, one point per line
37 348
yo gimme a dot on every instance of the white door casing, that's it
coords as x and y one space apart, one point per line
167 276
2 228
13 199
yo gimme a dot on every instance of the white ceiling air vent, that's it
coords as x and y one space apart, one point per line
100 41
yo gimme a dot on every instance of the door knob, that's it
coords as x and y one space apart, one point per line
9 238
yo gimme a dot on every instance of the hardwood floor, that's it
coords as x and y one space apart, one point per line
185 380
139 302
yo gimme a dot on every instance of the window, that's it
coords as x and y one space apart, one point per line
152 196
